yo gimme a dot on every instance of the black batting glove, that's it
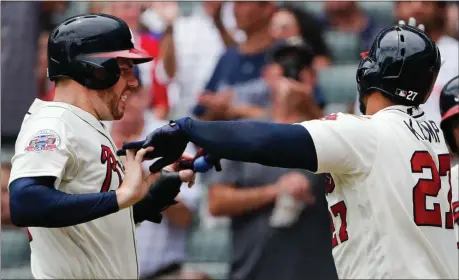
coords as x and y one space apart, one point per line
169 143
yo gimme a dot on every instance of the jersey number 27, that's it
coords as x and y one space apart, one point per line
430 188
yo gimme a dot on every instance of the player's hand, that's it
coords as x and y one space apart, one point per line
200 163
297 185
135 186
169 143
186 173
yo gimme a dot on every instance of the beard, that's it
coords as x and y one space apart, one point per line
112 103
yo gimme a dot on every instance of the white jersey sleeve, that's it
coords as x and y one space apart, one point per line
345 144
455 199
45 147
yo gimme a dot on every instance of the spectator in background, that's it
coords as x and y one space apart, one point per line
263 246
45 86
5 203
433 15
190 48
96 6
453 19
347 16
129 11
291 20
236 88
293 85
20 32
161 247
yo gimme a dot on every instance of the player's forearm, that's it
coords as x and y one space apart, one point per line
35 203
272 144
227 200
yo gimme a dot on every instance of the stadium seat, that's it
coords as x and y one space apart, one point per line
15 250
344 46
209 251
209 245
338 83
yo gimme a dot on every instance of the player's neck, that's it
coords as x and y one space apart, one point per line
376 102
72 95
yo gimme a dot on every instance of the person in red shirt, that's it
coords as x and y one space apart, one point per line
130 12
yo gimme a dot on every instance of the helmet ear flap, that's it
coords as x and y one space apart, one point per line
96 76
364 74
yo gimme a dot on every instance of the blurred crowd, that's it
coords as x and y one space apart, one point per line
279 61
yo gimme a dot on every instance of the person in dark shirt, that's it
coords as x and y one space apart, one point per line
347 16
291 20
264 245
236 89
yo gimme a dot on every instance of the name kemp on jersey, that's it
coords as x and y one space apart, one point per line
424 130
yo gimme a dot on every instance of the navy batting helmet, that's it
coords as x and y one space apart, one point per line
403 64
84 48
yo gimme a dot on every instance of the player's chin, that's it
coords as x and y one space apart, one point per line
119 112
118 115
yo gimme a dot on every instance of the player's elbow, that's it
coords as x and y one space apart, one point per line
20 217
25 207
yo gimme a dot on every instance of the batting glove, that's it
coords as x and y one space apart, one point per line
169 143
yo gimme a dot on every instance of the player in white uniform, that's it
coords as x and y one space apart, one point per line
449 108
389 200
67 185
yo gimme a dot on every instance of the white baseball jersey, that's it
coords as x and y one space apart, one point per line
389 194
61 140
455 201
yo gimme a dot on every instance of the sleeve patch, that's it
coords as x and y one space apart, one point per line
44 140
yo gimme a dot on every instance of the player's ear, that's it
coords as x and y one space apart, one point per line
456 133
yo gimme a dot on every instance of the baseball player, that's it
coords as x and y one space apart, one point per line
449 108
388 196
78 200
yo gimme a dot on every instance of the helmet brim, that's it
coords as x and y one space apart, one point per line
136 55
451 112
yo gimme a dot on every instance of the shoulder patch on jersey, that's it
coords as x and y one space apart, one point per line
44 140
